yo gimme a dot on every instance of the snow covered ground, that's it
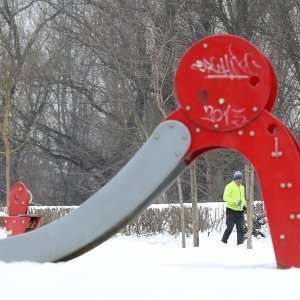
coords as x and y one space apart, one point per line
156 267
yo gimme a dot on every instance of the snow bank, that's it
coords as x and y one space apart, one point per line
156 267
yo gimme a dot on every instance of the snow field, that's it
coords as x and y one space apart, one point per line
156 267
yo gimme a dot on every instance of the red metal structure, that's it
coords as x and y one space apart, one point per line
226 88
18 220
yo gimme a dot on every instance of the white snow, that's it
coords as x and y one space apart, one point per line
2 233
156 267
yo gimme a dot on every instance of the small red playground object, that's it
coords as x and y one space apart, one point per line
18 220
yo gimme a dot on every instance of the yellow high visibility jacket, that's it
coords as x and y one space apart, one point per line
232 194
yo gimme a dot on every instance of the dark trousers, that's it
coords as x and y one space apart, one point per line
234 218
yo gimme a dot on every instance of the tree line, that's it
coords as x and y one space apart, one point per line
84 83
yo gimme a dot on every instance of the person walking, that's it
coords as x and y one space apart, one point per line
234 196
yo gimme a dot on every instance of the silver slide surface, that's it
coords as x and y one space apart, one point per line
150 171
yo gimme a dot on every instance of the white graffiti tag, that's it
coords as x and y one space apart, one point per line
230 116
228 66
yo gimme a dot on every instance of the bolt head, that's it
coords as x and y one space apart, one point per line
273 154
280 153
184 136
254 108
221 101
282 185
198 130
282 236
289 185
292 217
177 154
298 216
205 46
240 132
252 133
187 108
216 126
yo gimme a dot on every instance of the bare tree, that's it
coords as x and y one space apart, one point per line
194 204
182 217
92 79
17 62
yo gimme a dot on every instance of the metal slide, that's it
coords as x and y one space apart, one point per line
151 170
226 88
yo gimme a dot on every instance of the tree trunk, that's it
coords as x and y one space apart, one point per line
7 166
182 219
6 141
193 181
209 177
163 199
249 172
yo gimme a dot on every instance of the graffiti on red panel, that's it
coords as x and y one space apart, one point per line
228 66
229 115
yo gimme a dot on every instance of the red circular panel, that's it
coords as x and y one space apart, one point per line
223 82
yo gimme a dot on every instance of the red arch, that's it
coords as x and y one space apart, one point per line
275 154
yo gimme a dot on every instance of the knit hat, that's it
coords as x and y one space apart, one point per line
237 175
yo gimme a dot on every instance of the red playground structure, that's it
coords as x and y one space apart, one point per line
18 220
226 88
